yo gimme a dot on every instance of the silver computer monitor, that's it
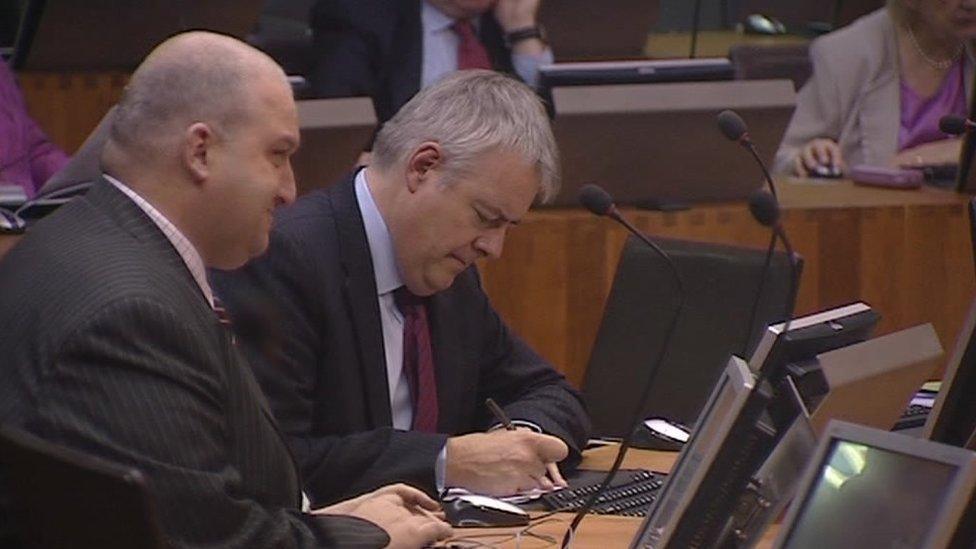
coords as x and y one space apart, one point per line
726 403
953 417
870 488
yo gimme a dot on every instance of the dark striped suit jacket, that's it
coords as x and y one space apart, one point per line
109 347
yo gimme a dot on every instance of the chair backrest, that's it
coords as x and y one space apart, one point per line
61 498
756 62
720 285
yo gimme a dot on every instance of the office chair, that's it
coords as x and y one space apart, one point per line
64 499
720 284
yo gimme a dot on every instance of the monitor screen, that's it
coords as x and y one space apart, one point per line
953 418
871 497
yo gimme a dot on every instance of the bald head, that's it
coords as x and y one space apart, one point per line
192 77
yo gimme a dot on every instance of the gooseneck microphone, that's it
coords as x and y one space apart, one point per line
734 128
599 202
765 208
956 125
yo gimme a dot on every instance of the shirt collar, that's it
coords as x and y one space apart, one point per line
434 20
378 236
189 254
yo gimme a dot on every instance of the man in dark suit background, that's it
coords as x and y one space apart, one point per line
113 343
390 49
385 345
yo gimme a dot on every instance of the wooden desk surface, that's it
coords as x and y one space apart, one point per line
594 531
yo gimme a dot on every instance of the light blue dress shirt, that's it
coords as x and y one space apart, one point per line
441 46
387 280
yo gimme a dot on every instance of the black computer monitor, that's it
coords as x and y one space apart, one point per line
809 336
870 488
953 417
731 442
966 176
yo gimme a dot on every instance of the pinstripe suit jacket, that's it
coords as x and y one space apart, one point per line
109 347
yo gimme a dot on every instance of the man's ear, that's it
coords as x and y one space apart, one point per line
198 141
427 158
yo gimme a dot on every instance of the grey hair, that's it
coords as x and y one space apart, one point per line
195 77
469 113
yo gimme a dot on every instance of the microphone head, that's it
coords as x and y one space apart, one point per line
732 125
952 124
764 207
594 198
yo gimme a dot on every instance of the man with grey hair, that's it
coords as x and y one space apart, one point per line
388 346
114 344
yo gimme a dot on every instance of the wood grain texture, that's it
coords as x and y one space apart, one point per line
69 105
908 254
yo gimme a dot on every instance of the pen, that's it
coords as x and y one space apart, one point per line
499 414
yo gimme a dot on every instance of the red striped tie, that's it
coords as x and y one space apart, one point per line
418 359
471 52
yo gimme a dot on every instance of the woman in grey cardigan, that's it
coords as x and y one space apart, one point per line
879 87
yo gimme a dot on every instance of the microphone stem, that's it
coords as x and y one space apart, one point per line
762 165
638 413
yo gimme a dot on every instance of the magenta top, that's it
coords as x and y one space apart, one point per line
920 116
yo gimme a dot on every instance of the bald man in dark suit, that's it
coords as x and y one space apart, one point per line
113 342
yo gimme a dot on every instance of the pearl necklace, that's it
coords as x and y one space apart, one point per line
941 64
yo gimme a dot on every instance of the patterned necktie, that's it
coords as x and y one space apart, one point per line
471 52
418 359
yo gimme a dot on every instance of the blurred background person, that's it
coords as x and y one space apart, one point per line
879 88
27 157
390 50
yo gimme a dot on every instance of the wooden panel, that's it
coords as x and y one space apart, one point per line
68 106
907 254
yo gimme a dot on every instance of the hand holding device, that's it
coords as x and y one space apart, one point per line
504 462
409 516
820 157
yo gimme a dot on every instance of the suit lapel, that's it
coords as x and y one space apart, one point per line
129 217
359 287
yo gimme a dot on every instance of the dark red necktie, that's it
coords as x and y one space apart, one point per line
471 52
418 359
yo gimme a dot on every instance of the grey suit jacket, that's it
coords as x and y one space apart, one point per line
109 347
853 96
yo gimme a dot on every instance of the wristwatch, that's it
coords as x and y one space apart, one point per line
525 33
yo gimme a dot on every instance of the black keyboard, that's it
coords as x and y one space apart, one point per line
630 494
913 416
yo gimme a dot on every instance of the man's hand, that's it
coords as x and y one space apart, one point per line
936 153
513 15
503 462
410 517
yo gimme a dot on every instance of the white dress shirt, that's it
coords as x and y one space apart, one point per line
387 280
440 47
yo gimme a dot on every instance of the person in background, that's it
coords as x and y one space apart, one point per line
389 50
27 157
879 88
113 343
